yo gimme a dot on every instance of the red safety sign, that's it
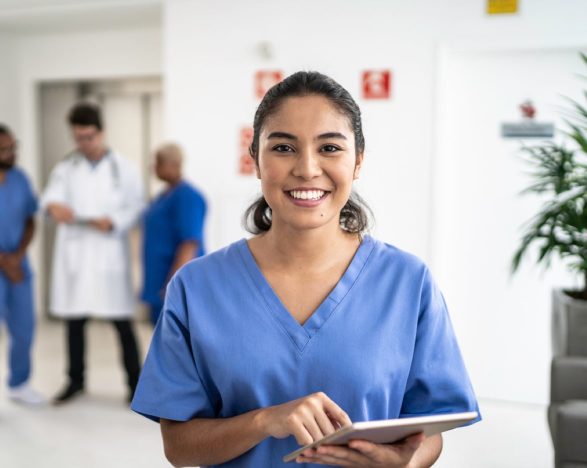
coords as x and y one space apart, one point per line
376 84
246 165
265 79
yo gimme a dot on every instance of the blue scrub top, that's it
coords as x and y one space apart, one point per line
381 345
17 204
173 217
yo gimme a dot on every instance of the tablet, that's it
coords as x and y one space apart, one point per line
389 430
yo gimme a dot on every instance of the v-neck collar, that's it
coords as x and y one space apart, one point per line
302 334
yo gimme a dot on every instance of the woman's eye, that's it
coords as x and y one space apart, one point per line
282 148
330 148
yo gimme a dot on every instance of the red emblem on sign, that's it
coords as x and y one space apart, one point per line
265 79
376 84
246 164
528 109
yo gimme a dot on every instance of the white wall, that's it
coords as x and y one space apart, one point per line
211 56
8 81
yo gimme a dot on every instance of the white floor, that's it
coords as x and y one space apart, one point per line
99 430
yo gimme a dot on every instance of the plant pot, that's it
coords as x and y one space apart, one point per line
569 325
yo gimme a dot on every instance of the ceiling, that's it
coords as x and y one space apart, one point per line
57 16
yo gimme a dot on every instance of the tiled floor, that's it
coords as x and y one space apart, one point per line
98 430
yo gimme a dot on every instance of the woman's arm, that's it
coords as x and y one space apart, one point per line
215 441
428 452
210 441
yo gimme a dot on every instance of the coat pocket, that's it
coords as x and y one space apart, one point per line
114 254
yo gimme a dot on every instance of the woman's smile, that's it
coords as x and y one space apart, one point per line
307 198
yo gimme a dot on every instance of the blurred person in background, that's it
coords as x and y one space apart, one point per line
18 205
96 197
173 228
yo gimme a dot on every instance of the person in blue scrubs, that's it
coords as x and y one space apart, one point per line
276 341
173 228
18 205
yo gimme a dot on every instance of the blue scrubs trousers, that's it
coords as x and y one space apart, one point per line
17 310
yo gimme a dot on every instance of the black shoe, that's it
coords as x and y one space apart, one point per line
72 390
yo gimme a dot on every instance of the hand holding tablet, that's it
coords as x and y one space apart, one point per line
389 431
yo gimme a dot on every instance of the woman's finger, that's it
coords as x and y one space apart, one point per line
342 455
335 412
363 446
415 440
303 437
313 428
325 423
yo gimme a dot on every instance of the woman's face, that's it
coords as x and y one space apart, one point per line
307 163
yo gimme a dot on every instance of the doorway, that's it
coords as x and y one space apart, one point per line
132 110
503 321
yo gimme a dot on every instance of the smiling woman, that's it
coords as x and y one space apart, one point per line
281 339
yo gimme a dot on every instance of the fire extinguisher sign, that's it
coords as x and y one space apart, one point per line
376 84
265 79
246 165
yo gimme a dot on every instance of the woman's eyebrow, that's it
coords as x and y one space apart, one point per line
322 136
285 135
329 135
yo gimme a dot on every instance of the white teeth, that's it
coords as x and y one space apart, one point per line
307 194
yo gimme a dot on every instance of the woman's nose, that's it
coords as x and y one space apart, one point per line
307 165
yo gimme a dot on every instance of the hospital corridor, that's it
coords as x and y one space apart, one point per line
265 233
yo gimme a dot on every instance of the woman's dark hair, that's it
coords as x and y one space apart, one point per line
85 114
355 216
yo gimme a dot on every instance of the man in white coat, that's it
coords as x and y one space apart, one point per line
95 196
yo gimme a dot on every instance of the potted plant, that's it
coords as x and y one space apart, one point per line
560 227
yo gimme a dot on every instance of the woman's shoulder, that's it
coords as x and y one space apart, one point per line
220 262
387 251
392 256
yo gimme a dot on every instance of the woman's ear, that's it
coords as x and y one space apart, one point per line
358 166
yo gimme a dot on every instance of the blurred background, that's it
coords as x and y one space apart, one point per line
434 80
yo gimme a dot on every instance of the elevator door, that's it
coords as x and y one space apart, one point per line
133 122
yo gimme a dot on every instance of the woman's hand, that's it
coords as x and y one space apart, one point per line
364 454
308 419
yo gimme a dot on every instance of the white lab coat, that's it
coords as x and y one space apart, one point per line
91 274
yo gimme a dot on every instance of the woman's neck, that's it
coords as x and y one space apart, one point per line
305 249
